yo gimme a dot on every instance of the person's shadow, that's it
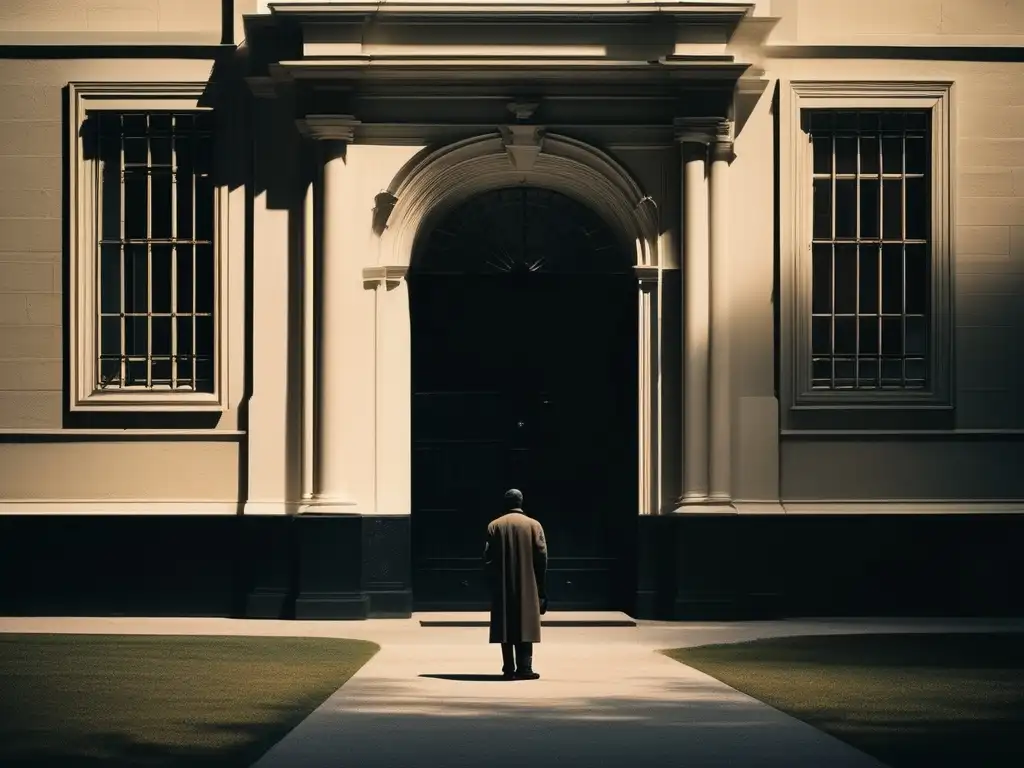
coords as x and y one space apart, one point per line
471 678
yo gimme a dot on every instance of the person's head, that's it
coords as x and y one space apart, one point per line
513 499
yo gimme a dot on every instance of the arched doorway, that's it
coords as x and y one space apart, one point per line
524 358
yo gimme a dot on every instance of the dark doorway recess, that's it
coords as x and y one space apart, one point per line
524 358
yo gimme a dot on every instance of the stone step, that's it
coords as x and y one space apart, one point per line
550 619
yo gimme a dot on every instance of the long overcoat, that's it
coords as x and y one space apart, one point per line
516 561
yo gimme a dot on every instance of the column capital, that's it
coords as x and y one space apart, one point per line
386 275
328 127
703 130
647 274
723 150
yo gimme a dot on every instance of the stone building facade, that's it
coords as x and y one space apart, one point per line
291 292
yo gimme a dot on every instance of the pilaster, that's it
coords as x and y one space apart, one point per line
343 338
706 148
694 135
270 413
720 407
648 390
393 388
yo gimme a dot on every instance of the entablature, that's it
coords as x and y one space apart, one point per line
499 42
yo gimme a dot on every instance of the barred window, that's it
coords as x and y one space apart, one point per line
156 271
870 250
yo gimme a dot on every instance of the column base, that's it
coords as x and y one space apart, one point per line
327 506
704 506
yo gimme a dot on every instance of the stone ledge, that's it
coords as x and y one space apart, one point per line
551 619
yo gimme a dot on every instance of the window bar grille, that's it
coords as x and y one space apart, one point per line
878 290
149 251
194 149
178 131
122 284
174 252
903 257
856 266
886 367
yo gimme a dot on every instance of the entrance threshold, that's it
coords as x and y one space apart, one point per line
550 619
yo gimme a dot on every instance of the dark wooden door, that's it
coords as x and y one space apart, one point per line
524 380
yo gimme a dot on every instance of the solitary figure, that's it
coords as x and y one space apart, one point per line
516 561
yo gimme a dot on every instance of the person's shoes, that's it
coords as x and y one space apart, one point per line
508 675
527 674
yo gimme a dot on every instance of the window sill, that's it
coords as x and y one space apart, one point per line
839 415
148 402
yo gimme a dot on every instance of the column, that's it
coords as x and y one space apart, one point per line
695 135
648 389
309 304
336 355
721 153
393 395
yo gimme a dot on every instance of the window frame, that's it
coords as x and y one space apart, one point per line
797 190
83 177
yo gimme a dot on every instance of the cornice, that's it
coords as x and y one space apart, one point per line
412 70
490 12
328 127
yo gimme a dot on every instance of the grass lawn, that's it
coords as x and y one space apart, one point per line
910 700
90 700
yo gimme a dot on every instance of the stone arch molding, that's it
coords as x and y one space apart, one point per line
436 181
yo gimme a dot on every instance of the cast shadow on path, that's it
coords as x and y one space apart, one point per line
470 678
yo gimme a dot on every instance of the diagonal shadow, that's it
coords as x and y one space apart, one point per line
468 677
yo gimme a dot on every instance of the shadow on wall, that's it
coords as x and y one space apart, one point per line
227 93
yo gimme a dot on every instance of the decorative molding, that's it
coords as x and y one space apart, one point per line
703 508
115 435
858 508
906 434
83 395
523 143
436 180
271 508
322 506
328 127
726 15
799 400
647 274
147 507
924 507
702 130
383 204
523 110
722 148
134 507
388 276
870 89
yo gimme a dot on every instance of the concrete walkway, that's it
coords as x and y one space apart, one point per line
596 705
432 697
